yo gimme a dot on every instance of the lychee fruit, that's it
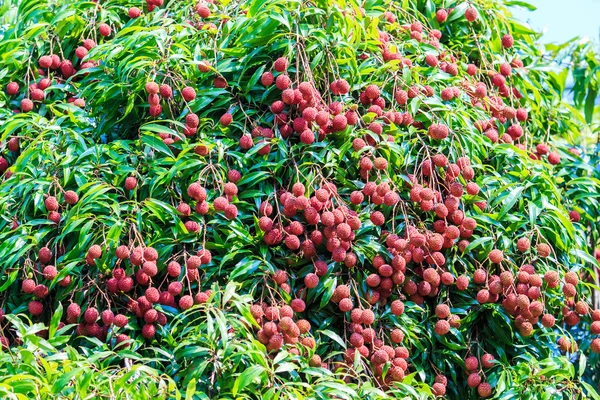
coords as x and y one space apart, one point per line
188 93
507 41
543 250
51 203
471 363
473 380
73 311
281 64
35 308
225 119
441 15
484 390
104 29
471 14
130 183
134 12
71 197
186 302
107 317
12 88
442 327
496 256
49 272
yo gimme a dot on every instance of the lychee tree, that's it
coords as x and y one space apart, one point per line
292 199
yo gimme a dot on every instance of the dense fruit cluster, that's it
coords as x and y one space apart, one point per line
362 197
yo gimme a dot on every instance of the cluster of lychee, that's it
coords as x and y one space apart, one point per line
164 91
89 325
365 343
279 327
474 379
333 225
52 67
446 320
222 203
44 276
203 11
53 207
144 260
542 150
301 110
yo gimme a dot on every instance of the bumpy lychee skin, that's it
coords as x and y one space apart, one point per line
438 131
71 197
471 14
438 389
554 158
12 88
45 255
281 64
474 380
108 317
442 311
122 252
311 280
487 360
51 203
226 119
484 390
441 15
134 12
148 331
49 272
104 30
130 183
186 302
45 62
543 250
95 251
523 244
188 93
595 345
120 320
90 315
442 327
267 79
471 363
40 291
507 41
35 308
298 305
73 311
574 216
28 286
496 256
377 218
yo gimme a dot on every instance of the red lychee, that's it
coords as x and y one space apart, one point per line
104 29
188 93
442 327
51 203
12 88
226 119
130 183
281 64
134 12
507 41
471 14
35 308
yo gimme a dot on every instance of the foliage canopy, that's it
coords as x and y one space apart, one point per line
294 199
